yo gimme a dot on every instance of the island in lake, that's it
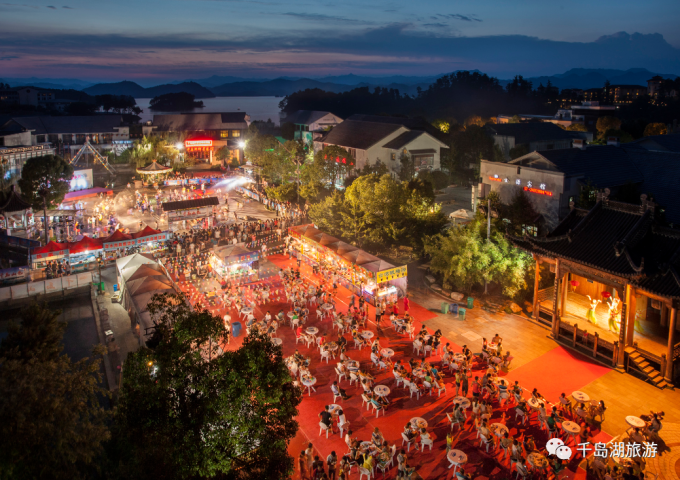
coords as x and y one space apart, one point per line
171 102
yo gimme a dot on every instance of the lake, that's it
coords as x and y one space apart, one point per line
259 108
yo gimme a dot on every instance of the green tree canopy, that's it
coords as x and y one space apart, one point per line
333 163
50 174
607 123
577 127
51 422
188 410
655 129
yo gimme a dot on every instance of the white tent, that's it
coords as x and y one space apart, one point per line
461 216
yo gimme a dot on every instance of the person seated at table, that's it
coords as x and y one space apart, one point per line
556 464
461 475
408 431
375 358
366 376
536 395
377 437
365 384
298 356
637 436
556 412
521 468
413 363
503 394
529 445
522 406
326 418
342 341
298 331
484 429
551 421
459 414
581 411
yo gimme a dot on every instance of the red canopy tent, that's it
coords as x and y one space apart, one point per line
86 244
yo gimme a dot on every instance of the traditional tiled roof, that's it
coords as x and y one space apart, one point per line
306 117
402 140
660 143
410 123
13 202
619 239
361 135
184 204
191 122
45 125
525 133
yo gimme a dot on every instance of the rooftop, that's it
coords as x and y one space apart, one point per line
526 133
306 117
183 122
44 125
361 135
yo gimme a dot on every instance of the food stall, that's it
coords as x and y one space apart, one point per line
83 253
235 262
150 241
181 214
52 251
359 271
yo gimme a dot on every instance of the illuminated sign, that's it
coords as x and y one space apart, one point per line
198 143
538 191
495 179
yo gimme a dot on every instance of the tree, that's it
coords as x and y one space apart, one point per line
327 214
51 422
176 101
623 137
587 196
655 129
607 123
577 127
520 212
288 130
442 125
465 258
45 181
333 163
408 167
515 119
437 178
188 411
518 151
286 192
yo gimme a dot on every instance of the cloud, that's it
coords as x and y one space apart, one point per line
68 8
319 17
9 57
51 7
457 16
438 25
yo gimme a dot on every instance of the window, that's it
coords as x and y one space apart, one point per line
236 133
393 156
551 146
224 133
40 139
529 230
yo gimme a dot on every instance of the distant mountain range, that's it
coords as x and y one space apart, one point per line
137 91
230 86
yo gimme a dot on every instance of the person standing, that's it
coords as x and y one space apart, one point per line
331 461
304 469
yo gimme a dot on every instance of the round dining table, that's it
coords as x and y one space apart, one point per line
387 352
309 383
636 422
457 458
499 429
326 306
580 396
367 334
246 310
277 341
352 365
572 428
312 330
381 390
290 314
418 422
462 401
537 460
419 372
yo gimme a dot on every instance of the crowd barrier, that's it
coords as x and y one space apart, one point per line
24 290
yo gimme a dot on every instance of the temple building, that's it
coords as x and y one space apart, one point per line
616 290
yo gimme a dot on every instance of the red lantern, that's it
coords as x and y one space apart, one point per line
606 294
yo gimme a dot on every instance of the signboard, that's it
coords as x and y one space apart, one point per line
198 143
391 274
48 255
18 241
538 191
81 180
188 214
13 275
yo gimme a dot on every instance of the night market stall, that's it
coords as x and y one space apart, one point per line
359 271
235 262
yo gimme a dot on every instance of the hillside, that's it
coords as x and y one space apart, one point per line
585 78
281 87
135 90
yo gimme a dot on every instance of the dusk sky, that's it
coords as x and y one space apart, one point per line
156 40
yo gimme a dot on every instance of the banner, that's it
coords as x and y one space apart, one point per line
36 288
84 279
19 291
54 284
69 282
12 275
391 274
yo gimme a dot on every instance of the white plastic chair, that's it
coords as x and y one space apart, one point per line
340 374
322 427
417 347
397 378
414 389
407 383
325 355
440 388
483 441
407 441
353 378
365 401
365 472
425 442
